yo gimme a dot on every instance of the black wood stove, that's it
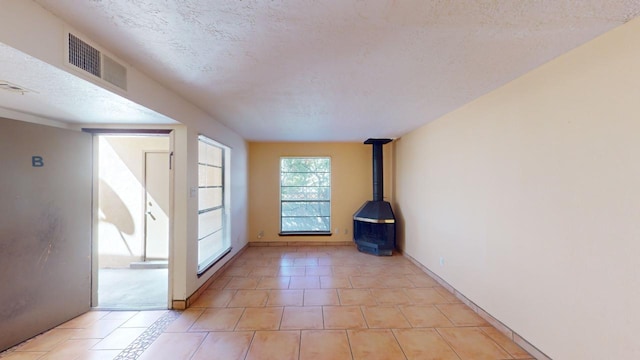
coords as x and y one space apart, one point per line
374 225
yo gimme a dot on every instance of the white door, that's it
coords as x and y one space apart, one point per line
156 206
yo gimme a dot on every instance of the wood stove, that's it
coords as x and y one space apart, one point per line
374 225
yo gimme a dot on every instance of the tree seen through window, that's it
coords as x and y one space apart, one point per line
305 194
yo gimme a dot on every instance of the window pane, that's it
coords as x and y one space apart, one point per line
306 224
209 222
309 165
202 150
305 179
209 175
306 208
209 198
209 154
210 247
306 193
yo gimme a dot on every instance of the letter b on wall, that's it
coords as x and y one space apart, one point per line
37 161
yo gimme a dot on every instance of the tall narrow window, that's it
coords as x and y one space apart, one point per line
213 237
305 195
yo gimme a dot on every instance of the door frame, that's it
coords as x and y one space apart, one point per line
95 266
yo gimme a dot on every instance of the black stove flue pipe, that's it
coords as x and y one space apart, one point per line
378 174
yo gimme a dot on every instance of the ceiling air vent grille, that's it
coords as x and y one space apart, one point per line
84 56
93 61
113 72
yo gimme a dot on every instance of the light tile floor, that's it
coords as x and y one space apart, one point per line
324 302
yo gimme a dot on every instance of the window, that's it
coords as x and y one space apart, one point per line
305 195
213 237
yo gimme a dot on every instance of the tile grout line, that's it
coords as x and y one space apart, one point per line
235 326
195 351
364 317
446 341
253 336
299 343
399 308
393 333
349 341
495 341
281 318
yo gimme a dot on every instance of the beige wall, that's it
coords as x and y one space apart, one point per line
350 186
531 196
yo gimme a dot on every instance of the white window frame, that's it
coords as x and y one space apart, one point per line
329 200
206 261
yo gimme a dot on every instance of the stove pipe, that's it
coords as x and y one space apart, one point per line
378 173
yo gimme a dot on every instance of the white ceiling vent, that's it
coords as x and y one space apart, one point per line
88 58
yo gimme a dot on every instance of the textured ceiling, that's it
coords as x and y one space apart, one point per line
337 70
60 95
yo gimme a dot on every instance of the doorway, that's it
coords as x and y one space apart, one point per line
132 222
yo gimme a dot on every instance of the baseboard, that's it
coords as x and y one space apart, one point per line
184 304
499 325
300 243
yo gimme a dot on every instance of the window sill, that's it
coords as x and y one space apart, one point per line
305 233
214 261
